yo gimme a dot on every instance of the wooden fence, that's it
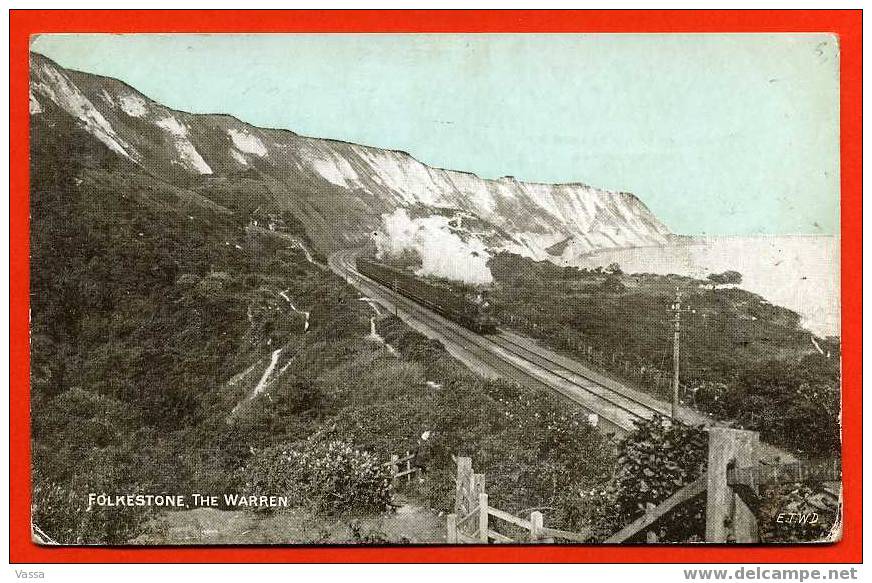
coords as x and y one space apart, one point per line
474 520
403 467
731 486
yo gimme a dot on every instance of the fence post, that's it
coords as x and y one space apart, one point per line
536 524
464 472
725 512
477 487
651 535
482 517
408 468
451 529
395 467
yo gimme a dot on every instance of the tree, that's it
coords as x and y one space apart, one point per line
728 277
612 284
732 277
614 268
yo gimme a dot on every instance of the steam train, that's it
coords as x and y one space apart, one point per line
455 307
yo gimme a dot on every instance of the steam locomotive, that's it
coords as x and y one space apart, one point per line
455 307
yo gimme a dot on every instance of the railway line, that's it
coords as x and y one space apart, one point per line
626 400
511 356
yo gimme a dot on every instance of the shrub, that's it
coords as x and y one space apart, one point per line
725 278
329 475
656 460
786 401
385 427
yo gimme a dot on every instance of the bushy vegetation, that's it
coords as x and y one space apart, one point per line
656 460
728 277
329 475
156 310
145 300
743 360
786 400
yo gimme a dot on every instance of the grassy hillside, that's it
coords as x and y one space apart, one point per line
156 312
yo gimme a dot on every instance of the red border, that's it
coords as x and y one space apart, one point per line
845 23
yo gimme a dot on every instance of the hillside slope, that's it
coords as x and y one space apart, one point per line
339 191
176 346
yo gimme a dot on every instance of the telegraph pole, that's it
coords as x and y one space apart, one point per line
676 349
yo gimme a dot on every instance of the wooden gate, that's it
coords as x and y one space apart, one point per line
474 520
464 524
732 488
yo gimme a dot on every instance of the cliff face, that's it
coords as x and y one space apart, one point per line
341 192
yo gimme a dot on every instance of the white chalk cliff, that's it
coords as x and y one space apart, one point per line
342 192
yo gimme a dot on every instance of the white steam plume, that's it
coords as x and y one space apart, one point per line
443 253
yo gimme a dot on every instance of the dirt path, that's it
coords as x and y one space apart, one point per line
410 523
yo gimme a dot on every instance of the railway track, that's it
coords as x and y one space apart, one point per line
622 398
515 357
509 356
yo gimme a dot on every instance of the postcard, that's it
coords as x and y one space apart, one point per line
435 289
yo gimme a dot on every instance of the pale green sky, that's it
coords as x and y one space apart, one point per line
718 134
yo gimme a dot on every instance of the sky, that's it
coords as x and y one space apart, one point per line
718 134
